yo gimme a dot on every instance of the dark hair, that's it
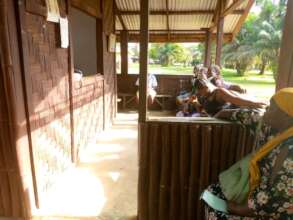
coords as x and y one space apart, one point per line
199 84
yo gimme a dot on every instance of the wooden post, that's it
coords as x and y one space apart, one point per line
208 45
143 54
124 52
220 35
285 71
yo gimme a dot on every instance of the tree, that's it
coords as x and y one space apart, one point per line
169 53
241 53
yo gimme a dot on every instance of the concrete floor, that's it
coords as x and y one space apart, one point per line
104 184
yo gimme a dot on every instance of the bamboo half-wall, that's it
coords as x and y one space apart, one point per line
178 160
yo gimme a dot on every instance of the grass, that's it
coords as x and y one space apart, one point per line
259 86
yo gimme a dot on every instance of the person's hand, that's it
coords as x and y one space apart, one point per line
240 210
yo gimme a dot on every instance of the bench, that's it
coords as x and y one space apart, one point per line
126 98
129 97
161 98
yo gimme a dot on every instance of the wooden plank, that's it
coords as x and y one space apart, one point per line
205 164
175 199
143 176
208 46
167 18
194 194
124 52
285 71
165 181
155 171
182 37
143 54
216 145
184 168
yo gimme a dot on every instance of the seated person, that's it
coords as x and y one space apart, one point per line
268 191
214 99
152 84
215 77
200 72
188 105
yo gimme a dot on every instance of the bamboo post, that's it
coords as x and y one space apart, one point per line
285 71
124 52
143 53
208 45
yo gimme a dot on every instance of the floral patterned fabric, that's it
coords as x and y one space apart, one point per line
273 198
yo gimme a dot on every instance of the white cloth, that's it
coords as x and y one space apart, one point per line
152 81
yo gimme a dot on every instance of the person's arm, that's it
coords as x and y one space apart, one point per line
237 88
240 210
227 96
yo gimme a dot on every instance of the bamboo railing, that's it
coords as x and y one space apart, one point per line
178 160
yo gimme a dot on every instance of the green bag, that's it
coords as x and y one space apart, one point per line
234 182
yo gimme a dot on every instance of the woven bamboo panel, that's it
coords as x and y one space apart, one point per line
88 110
47 88
179 160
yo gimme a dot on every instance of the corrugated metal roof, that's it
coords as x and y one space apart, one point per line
190 22
158 22
230 23
185 21
192 4
131 22
118 25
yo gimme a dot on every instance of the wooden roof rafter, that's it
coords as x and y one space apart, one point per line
232 7
167 19
117 12
244 16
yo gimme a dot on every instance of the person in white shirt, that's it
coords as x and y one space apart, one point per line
152 84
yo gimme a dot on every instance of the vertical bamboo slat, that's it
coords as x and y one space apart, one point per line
179 160
143 179
184 169
164 206
155 169
193 194
175 188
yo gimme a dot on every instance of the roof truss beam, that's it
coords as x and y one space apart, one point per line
117 12
232 7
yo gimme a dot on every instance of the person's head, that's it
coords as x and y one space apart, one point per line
214 70
279 115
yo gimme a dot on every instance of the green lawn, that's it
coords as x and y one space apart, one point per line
260 86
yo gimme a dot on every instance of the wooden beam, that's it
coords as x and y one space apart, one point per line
167 15
220 34
208 45
175 38
171 30
117 12
143 61
124 52
285 71
186 12
90 7
243 17
232 7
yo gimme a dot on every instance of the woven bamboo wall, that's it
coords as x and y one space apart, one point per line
88 110
179 160
39 94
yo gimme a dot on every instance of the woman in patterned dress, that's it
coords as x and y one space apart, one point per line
271 196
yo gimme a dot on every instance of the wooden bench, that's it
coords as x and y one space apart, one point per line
161 98
126 98
129 97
